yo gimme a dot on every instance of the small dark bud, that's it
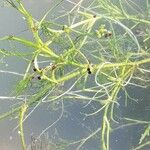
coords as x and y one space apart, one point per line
89 71
94 16
34 69
39 77
108 34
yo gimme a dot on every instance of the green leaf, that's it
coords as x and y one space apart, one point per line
22 85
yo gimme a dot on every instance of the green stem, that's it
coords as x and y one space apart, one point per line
21 116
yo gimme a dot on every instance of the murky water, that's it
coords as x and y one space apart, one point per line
72 126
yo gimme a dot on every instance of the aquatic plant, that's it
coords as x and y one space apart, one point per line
89 54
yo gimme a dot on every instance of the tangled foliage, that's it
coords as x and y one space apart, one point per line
97 53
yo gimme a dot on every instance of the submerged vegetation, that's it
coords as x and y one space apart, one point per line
90 53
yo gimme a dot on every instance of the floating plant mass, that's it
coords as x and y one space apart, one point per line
91 57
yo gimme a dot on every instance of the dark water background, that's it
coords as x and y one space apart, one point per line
72 126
